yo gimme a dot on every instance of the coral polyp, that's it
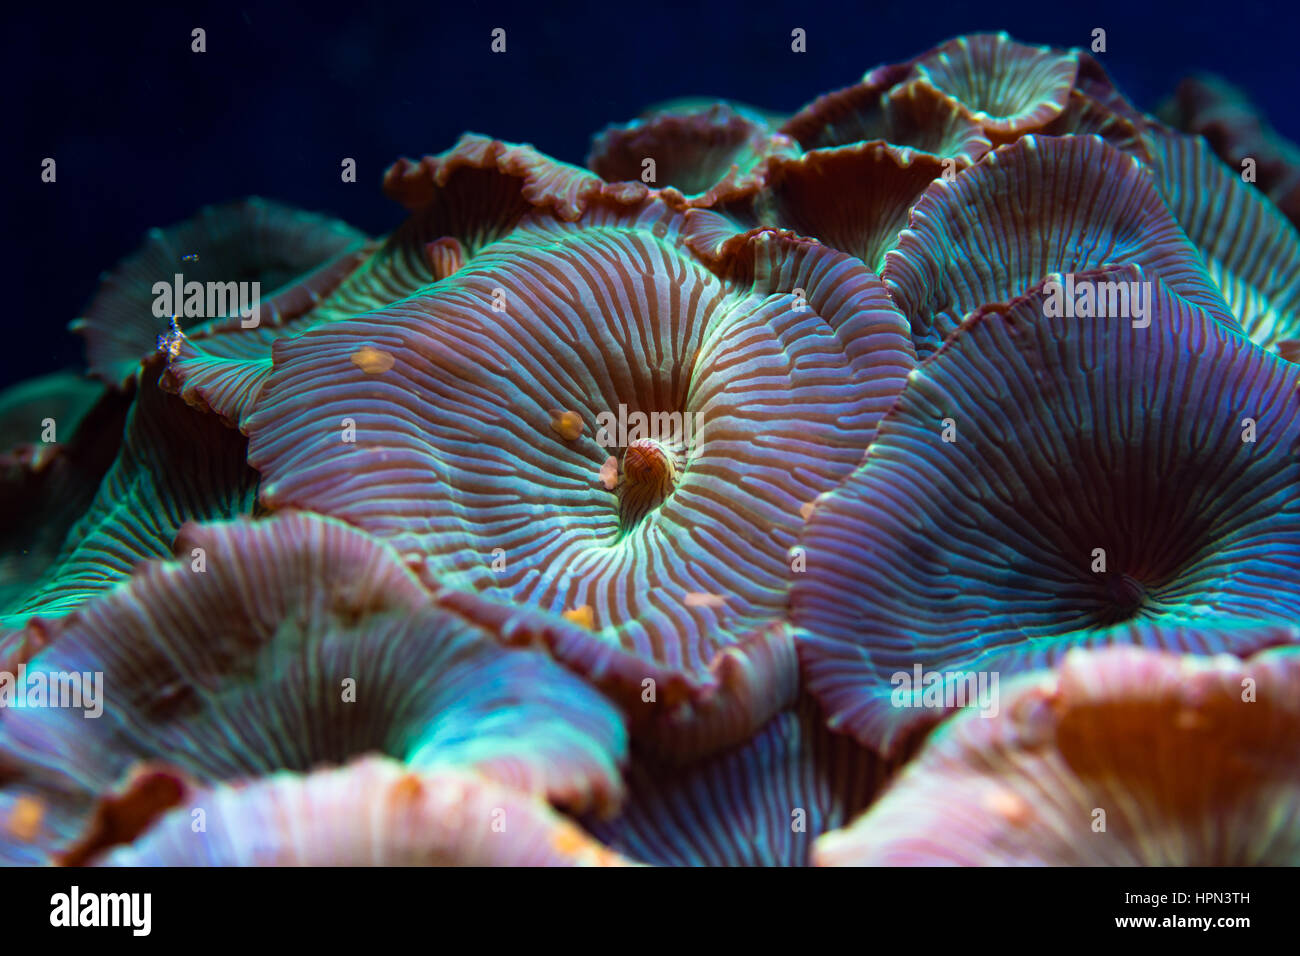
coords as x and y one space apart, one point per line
776 490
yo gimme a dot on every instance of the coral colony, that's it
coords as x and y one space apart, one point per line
881 484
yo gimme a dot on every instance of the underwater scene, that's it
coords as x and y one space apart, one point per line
862 451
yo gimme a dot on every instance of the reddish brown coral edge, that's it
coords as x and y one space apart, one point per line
121 817
730 252
548 184
718 137
1085 115
749 681
853 198
807 125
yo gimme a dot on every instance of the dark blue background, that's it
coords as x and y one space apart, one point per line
145 132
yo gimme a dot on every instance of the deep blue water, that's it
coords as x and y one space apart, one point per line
145 132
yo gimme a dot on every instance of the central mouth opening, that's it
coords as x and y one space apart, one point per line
1051 601
648 473
1121 598
648 437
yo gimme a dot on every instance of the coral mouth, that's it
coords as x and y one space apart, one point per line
650 471
1122 598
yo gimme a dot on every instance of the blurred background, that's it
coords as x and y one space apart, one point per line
145 132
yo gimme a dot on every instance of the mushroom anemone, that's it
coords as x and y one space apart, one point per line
705 154
282 645
1208 106
1042 205
1118 757
775 490
294 257
1010 88
459 201
1250 249
590 421
174 465
374 811
59 435
1050 481
761 803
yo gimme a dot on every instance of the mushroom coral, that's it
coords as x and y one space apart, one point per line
60 436
725 405
460 201
1209 107
1039 206
294 255
910 118
999 86
667 505
374 811
761 803
1050 481
1250 249
174 465
282 645
1118 757
707 155
1009 87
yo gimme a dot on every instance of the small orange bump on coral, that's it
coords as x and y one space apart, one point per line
568 425
372 361
572 842
25 818
582 616
1011 806
1191 719
568 840
609 473
807 508
408 789
704 599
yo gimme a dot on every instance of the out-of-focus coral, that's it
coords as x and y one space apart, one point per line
372 812
762 803
1120 757
60 436
282 645
296 256
667 506
175 465
1212 109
